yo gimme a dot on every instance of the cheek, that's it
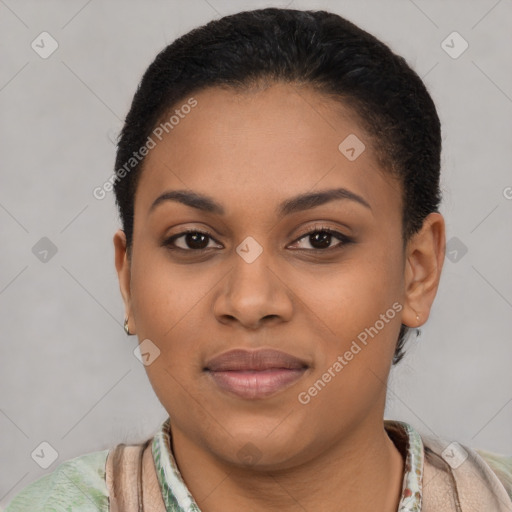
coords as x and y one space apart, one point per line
169 306
354 295
362 310
172 304
164 296
337 304
165 306
358 310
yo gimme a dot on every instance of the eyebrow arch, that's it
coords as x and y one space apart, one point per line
298 203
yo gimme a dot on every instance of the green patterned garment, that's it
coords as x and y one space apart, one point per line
79 484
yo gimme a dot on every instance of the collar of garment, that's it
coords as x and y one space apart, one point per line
177 497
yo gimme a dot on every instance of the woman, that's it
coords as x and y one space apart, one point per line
277 179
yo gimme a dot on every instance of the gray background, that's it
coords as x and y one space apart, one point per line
68 374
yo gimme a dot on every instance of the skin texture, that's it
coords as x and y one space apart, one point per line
249 152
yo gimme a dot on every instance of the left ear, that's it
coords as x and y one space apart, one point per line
425 253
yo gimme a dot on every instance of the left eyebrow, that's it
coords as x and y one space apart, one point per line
298 203
313 199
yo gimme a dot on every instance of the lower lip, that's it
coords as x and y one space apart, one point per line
255 385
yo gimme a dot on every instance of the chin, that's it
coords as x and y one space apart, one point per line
262 445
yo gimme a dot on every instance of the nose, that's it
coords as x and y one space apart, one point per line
253 293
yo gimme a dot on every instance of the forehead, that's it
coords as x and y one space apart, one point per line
268 144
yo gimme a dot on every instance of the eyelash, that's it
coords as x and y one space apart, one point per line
344 239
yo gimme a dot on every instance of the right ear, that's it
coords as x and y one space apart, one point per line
123 273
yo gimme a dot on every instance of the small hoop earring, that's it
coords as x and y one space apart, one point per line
126 328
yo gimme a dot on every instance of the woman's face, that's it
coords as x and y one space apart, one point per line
261 175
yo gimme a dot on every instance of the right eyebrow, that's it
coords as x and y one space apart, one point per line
192 199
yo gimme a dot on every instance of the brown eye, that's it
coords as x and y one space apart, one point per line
321 239
193 240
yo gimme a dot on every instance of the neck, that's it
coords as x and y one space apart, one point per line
362 472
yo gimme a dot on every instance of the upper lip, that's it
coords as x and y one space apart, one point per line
247 360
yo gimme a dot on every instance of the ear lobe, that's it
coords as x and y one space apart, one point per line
424 262
122 264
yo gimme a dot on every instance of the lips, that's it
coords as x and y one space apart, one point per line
255 374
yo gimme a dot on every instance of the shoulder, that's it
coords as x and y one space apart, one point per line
76 484
477 470
501 466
